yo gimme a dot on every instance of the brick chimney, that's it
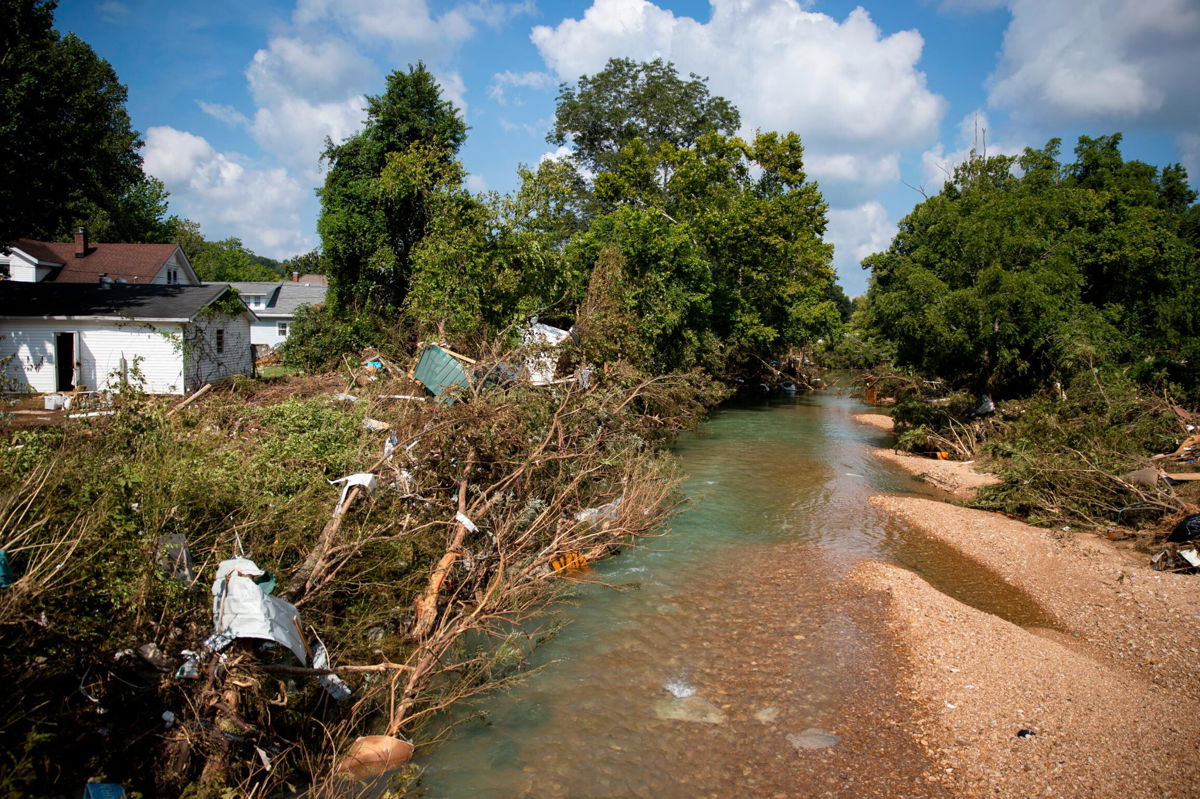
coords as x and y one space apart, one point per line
81 242
295 276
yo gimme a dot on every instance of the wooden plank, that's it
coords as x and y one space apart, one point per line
1184 477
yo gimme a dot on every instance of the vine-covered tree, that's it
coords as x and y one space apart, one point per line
368 233
69 150
628 100
1024 269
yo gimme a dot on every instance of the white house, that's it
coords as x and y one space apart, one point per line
173 339
81 261
275 305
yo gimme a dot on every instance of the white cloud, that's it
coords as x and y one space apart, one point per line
1106 60
225 113
454 89
1189 155
853 94
113 11
502 81
855 234
408 24
974 134
226 194
306 91
476 184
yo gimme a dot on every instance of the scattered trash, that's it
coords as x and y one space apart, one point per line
373 755
606 512
1191 556
572 561
262 756
1025 733
54 402
154 656
402 396
986 407
541 367
462 519
190 668
1146 478
1186 530
364 479
334 685
103 790
242 610
174 559
389 446
374 369
343 397
441 372
90 414
6 573
375 425
585 378
168 719
1181 477
942 456
1188 449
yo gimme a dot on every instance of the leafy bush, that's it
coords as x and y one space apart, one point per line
317 339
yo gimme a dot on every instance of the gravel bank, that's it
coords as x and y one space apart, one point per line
1100 730
957 477
1107 599
882 421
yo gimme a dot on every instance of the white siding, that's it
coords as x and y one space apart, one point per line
106 350
266 331
183 275
204 363
23 268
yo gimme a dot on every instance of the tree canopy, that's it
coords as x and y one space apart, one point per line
70 151
627 101
369 230
1025 269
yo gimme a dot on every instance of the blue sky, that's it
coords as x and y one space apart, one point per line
234 99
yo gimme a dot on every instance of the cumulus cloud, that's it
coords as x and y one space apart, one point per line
856 233
227 194
1127 61
409 24
853 94
974 135
306 91
503 81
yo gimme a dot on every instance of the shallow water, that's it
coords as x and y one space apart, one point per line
734 662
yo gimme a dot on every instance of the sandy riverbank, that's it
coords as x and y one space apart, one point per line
1110 693
882 421
955 477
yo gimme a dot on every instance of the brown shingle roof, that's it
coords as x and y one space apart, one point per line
135 263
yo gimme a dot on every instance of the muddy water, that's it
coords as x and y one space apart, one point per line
733 662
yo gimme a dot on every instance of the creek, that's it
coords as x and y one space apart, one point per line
732 660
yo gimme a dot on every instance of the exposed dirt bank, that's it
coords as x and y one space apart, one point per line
957 477
882 421
1100 731
1109 694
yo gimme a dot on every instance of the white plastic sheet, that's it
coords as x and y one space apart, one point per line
541 367
242 610
334 685
364 479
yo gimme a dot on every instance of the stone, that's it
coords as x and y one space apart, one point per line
812 738
689 708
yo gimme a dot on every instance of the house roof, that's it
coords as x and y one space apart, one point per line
91 301
134 263
283 298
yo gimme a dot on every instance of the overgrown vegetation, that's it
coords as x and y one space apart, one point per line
1067 293
84 525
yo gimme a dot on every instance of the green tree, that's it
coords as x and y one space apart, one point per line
69 148
628 100
368 231
226 261
1025 269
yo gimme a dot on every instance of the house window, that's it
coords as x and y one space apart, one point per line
220 341
256 300
5 272
172 275
281 328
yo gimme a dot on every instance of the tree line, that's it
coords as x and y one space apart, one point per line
1026 270
667 240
